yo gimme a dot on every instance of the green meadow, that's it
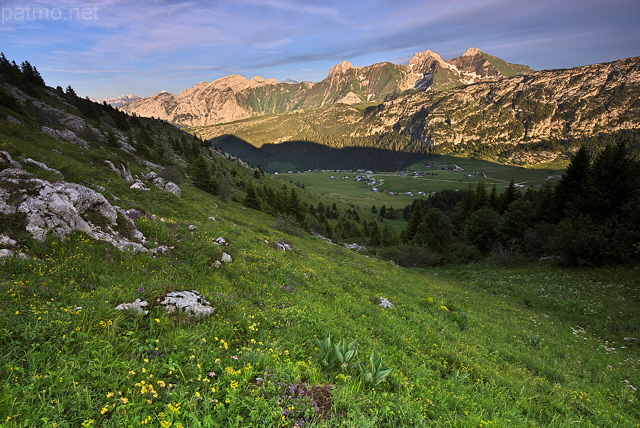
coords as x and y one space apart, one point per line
471 345
434 175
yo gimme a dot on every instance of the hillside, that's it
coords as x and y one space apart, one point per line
99 209
236 97
525 119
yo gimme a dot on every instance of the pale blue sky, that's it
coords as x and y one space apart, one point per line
143 47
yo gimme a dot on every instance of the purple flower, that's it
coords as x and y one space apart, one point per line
140 289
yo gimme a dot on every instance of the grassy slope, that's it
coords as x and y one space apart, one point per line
468 346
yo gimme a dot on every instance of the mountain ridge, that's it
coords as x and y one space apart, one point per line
492 120
236 97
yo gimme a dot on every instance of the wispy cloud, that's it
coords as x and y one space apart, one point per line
171 44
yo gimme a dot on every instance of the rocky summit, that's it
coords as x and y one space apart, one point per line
235 97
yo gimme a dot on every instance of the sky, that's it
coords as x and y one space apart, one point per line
106 48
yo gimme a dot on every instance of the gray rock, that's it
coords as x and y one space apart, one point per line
220 241
5 240
60 208
122 172
355 247
189 302
137 305
385 303
283 245
43 166
66 135
5 158
138 185
5 253
12 119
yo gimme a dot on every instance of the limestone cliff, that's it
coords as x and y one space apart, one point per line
235 97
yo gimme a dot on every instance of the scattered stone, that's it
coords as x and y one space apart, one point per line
385 303
43 166
168 186
355 247
283 245
134 214
189 301
138 305
220 241
138 185
121 172
212 218
150 175
7 241
12 119
192 227
6 253
225 258
66 135
5 158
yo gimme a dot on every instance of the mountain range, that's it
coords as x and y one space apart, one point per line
524 119
236 97
118 101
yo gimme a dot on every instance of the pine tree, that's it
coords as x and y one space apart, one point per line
412 227
510 195
573 184
375 238
201 175
252 200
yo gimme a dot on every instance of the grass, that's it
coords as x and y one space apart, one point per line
472 345
474 171
468 346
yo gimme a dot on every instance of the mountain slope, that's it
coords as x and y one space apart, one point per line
235 97
490 119
464 346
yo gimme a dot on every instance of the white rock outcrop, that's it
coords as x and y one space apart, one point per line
189 302
61 208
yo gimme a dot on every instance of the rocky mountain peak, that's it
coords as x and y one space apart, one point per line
426 56
340 68
472 51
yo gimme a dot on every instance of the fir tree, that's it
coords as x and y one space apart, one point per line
252 200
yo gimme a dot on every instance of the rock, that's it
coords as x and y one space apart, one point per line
43 166
225 258
138 185
385 303
5 253
134 214
61 208
220 241
212 218
122 172
5 158
12 119
192 227
355 247
167 186
66 135
138 305
189 301
5 240
283 245
150 175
